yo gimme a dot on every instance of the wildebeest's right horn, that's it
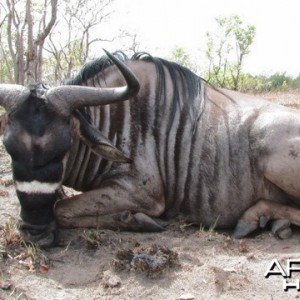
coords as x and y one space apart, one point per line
69 97
11 94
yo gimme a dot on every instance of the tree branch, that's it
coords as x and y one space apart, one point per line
41 37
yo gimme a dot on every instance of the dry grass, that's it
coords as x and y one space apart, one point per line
10 235
93 238
14 249
289 98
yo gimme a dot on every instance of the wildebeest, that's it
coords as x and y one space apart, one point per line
178 146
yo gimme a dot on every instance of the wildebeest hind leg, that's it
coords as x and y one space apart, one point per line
263 211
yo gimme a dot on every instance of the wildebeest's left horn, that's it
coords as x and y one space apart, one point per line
69 97
11 94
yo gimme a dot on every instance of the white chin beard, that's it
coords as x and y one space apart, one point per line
37 187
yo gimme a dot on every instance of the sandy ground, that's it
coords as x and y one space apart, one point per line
92 264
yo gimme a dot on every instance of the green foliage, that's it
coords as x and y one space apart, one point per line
227 49
296 82
274 82
253 83
6 63
279 81
182 57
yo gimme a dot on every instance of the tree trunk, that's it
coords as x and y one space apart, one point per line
31 56
35 46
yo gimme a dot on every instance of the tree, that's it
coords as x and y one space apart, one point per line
130 42
76 31
27 24
227 50
32 29
6 70
182 57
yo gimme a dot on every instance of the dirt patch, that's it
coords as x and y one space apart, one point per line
208 266
184 262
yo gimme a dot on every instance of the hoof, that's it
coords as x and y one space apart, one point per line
243 229
147 224
284 234
281 229
137 222
263 220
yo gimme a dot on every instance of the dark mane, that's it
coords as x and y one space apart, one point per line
92 68
181 77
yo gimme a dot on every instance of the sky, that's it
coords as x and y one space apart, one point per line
163 24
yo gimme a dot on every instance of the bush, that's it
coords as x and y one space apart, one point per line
279 81
296 82
262 83
250 83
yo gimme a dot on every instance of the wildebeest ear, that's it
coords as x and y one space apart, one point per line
3 122
98 143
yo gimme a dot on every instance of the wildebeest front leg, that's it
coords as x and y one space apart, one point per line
111 207
263 211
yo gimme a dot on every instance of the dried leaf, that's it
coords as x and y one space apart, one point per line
28 264
44 268
242 246
4 193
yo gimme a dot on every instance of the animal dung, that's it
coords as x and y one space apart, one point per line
153 260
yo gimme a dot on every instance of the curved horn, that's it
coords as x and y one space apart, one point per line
69 97
10 95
